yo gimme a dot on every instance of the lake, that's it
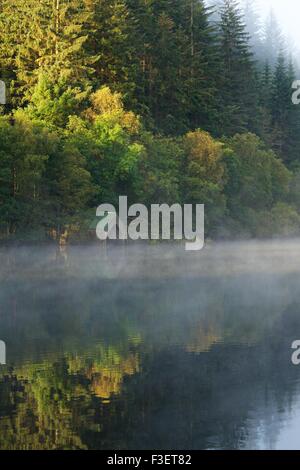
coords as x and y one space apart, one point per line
150 347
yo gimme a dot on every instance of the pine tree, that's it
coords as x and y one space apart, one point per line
15 21
285 115
159 47
238 99
49 35
280 105
273 40
111 42
264 90
175 50
203 62
253 25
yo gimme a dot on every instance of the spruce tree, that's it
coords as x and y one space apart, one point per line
176 56
111 42
264 89
237 94
273 40
280 105
253 26
48 35
285 115
15 22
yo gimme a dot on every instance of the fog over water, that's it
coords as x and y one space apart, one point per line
150 346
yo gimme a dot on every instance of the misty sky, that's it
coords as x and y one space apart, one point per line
288 15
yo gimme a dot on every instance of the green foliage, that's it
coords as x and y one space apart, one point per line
54 101
282 221
43 177
107 98
256 179
170 45
160 171
45 36
107 136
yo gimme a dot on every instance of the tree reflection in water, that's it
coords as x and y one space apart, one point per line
130 362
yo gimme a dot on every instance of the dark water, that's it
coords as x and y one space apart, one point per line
150 348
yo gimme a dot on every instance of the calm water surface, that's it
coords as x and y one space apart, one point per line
150 347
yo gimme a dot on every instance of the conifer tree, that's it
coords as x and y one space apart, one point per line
264 88
48 35
285 115
175 50
280 105
111 42
238 99
253 25
273 40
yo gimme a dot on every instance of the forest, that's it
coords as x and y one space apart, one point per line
164 101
